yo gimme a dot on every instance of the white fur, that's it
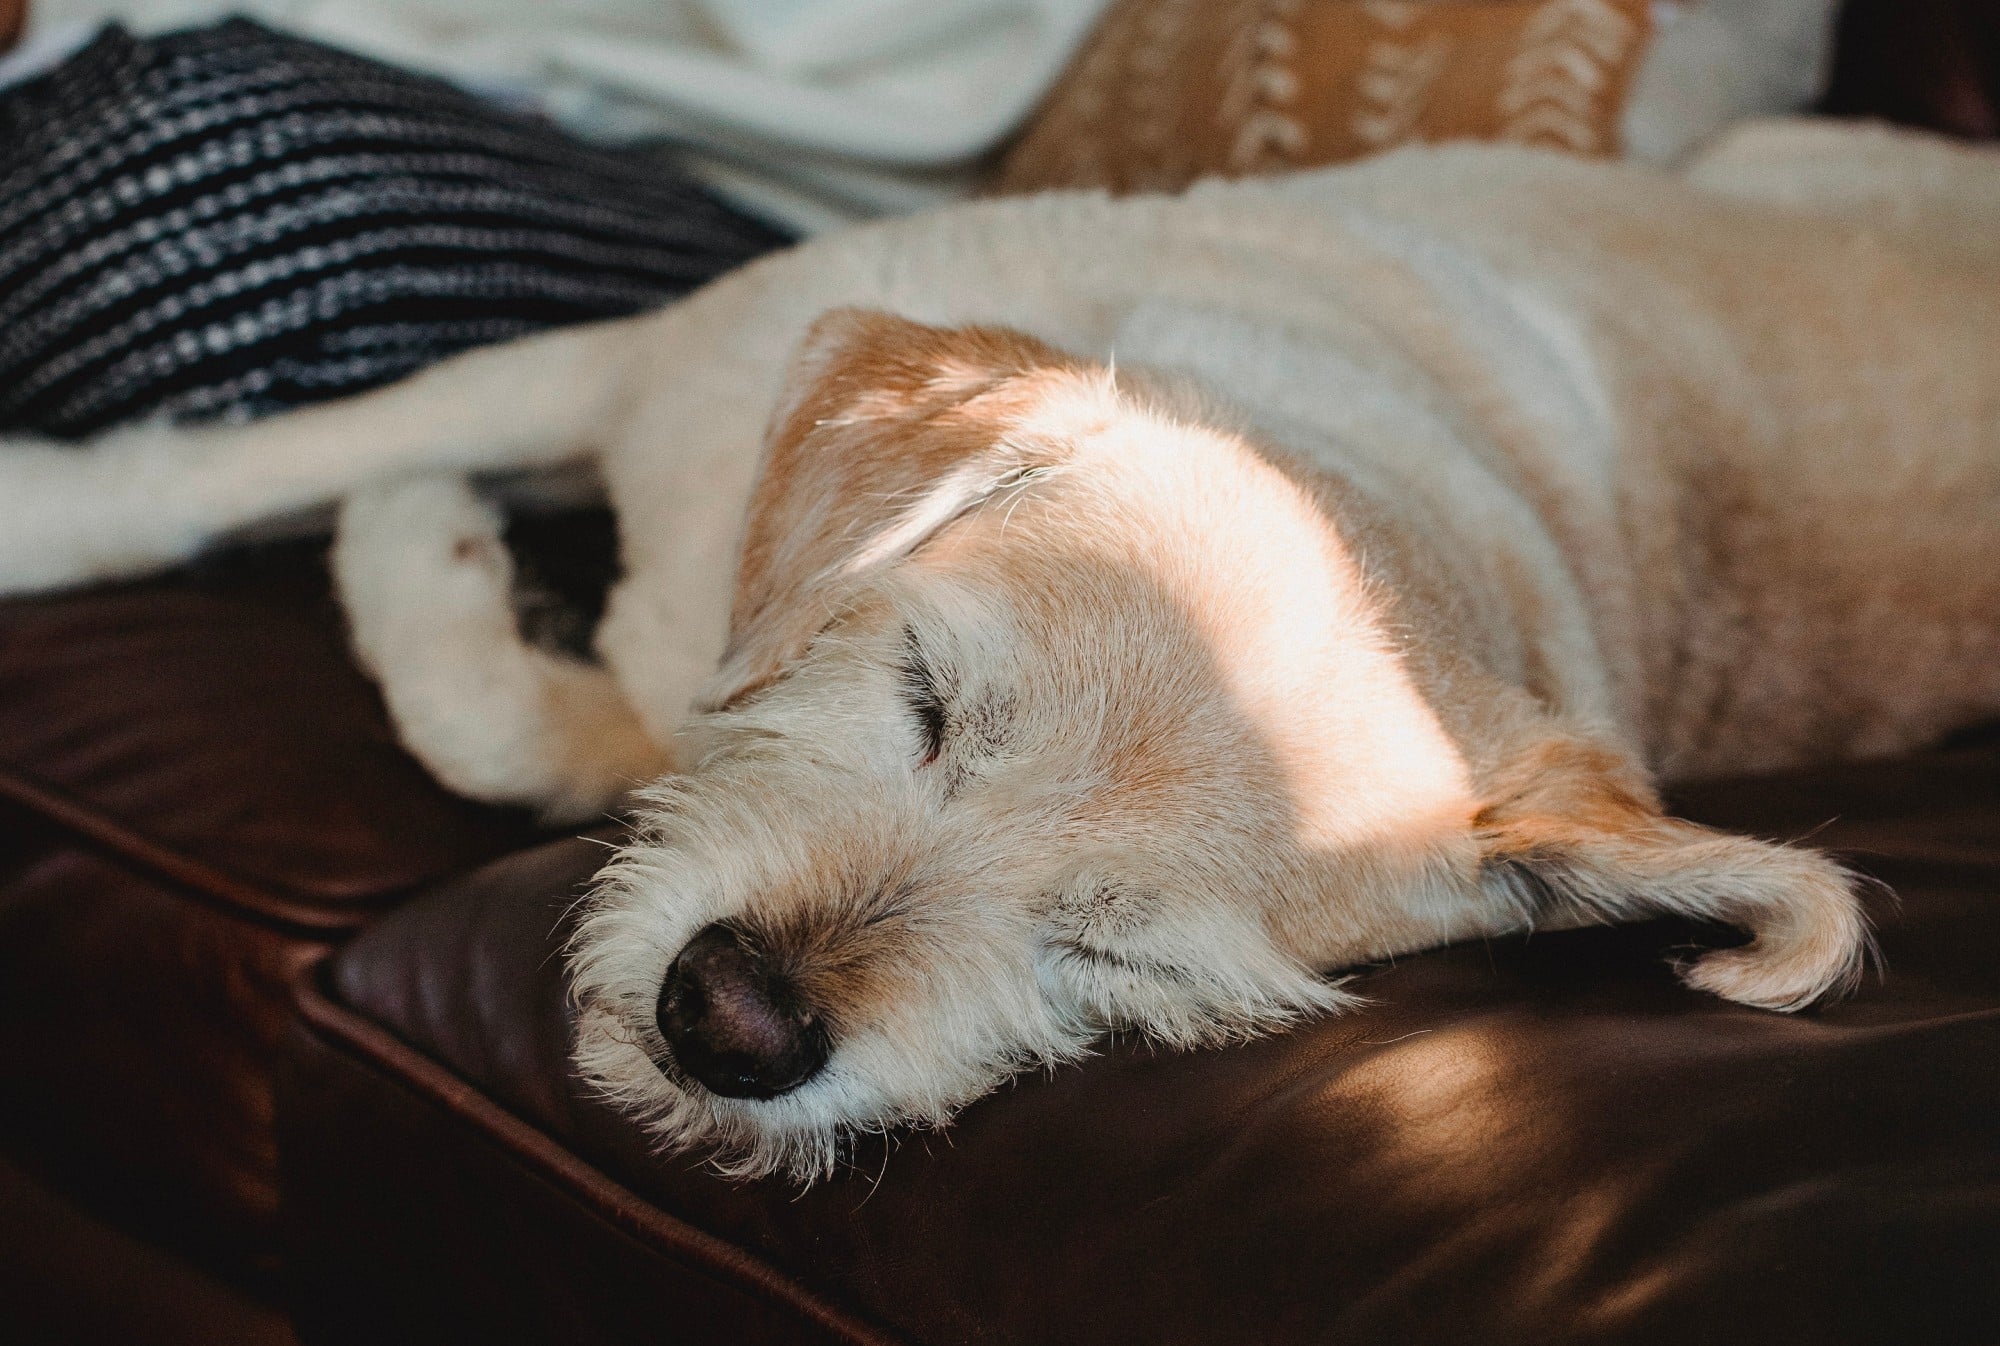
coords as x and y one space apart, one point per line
421 570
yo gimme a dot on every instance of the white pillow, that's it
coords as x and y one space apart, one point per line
1714 62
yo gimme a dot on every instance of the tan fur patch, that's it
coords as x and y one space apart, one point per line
878 412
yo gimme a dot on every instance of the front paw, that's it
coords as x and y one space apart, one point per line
417 561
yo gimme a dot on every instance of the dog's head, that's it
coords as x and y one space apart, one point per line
1049 710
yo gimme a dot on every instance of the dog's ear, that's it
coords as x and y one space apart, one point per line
887 430
1574 836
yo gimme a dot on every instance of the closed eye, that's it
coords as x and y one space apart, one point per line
923 691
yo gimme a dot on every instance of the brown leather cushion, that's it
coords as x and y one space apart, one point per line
198 792
212 727
137 1031
1543 1140
66 1278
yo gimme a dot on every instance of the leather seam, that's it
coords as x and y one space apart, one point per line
165 864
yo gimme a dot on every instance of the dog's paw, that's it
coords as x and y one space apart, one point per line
72 515
437 522
416 559
426 580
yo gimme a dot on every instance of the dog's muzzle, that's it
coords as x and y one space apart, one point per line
734 1027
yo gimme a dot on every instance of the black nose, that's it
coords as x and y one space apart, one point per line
732 1025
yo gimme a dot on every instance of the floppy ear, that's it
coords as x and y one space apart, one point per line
887 430
1575 836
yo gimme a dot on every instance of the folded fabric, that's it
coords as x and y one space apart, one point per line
1716 62
227 221
862 107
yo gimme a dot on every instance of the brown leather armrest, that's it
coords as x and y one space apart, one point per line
13 17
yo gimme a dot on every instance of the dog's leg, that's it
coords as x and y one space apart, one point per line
145 497
425 579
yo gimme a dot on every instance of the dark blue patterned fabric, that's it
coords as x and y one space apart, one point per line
229 221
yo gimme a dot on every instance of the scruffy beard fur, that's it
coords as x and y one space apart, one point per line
913 1074
995 1003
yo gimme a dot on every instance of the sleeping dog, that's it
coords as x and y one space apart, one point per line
1142 609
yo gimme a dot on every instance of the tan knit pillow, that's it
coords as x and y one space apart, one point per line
1168 91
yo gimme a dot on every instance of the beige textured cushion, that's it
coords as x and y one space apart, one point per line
1168 91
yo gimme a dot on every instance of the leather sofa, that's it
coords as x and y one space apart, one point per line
282 1036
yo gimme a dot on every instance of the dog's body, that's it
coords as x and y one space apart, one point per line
1437 506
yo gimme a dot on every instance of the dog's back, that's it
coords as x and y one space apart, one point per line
1760 418
1826 561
